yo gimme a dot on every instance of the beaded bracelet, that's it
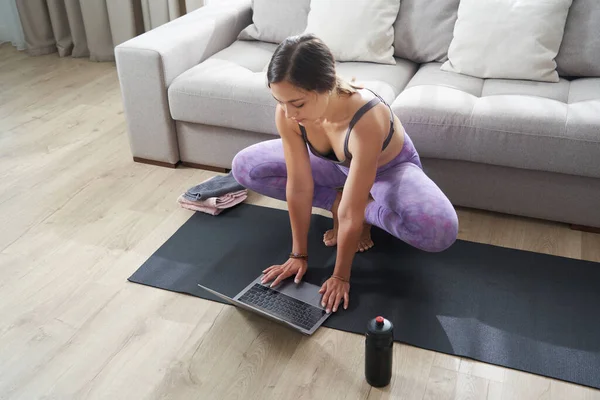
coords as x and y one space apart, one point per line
298 255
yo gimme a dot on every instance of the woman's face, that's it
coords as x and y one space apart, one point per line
298 104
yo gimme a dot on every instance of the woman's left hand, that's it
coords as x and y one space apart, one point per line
335 290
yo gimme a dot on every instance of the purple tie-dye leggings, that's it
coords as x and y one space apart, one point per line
408 204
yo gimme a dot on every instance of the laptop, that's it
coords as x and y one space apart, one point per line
296 305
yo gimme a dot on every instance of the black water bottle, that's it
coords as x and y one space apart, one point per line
379 352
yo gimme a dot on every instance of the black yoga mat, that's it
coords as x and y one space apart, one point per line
522 310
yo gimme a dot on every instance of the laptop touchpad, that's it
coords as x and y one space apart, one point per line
303 291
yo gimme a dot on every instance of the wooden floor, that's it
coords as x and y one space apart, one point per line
78 217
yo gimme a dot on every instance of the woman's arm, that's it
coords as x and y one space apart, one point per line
300 185
365 150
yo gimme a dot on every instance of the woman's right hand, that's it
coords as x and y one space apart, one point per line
293 266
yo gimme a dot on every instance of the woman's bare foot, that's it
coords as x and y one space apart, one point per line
365 242
330 237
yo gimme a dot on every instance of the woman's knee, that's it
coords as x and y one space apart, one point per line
252 165
447 233
241 167
435 229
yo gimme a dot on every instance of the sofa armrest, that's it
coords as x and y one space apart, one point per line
147 64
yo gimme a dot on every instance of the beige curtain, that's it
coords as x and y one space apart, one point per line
92 28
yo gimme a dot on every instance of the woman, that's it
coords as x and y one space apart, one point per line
335 135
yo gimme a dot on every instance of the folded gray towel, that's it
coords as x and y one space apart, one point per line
215 187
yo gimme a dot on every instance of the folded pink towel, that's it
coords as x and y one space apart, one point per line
214 205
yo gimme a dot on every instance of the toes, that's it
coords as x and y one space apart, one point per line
329 238
364 246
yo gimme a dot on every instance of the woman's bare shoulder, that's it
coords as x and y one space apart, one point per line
374 119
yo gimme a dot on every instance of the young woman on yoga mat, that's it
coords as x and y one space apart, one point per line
336 135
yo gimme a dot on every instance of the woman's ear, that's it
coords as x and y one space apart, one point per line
353 81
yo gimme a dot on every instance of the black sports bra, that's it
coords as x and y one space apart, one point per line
361 111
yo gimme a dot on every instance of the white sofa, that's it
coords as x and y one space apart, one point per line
195 94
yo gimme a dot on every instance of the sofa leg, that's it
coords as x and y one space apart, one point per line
152 162
206 167
585 228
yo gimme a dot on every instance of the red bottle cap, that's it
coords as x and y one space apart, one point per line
379 320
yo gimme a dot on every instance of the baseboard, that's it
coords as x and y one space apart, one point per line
205 167
153 162
585 228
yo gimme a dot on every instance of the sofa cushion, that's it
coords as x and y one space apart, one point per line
386 80
230 89
335 23
273 21
533 125
423 30
579 53
483 47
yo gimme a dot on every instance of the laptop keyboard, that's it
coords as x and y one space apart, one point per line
283 306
